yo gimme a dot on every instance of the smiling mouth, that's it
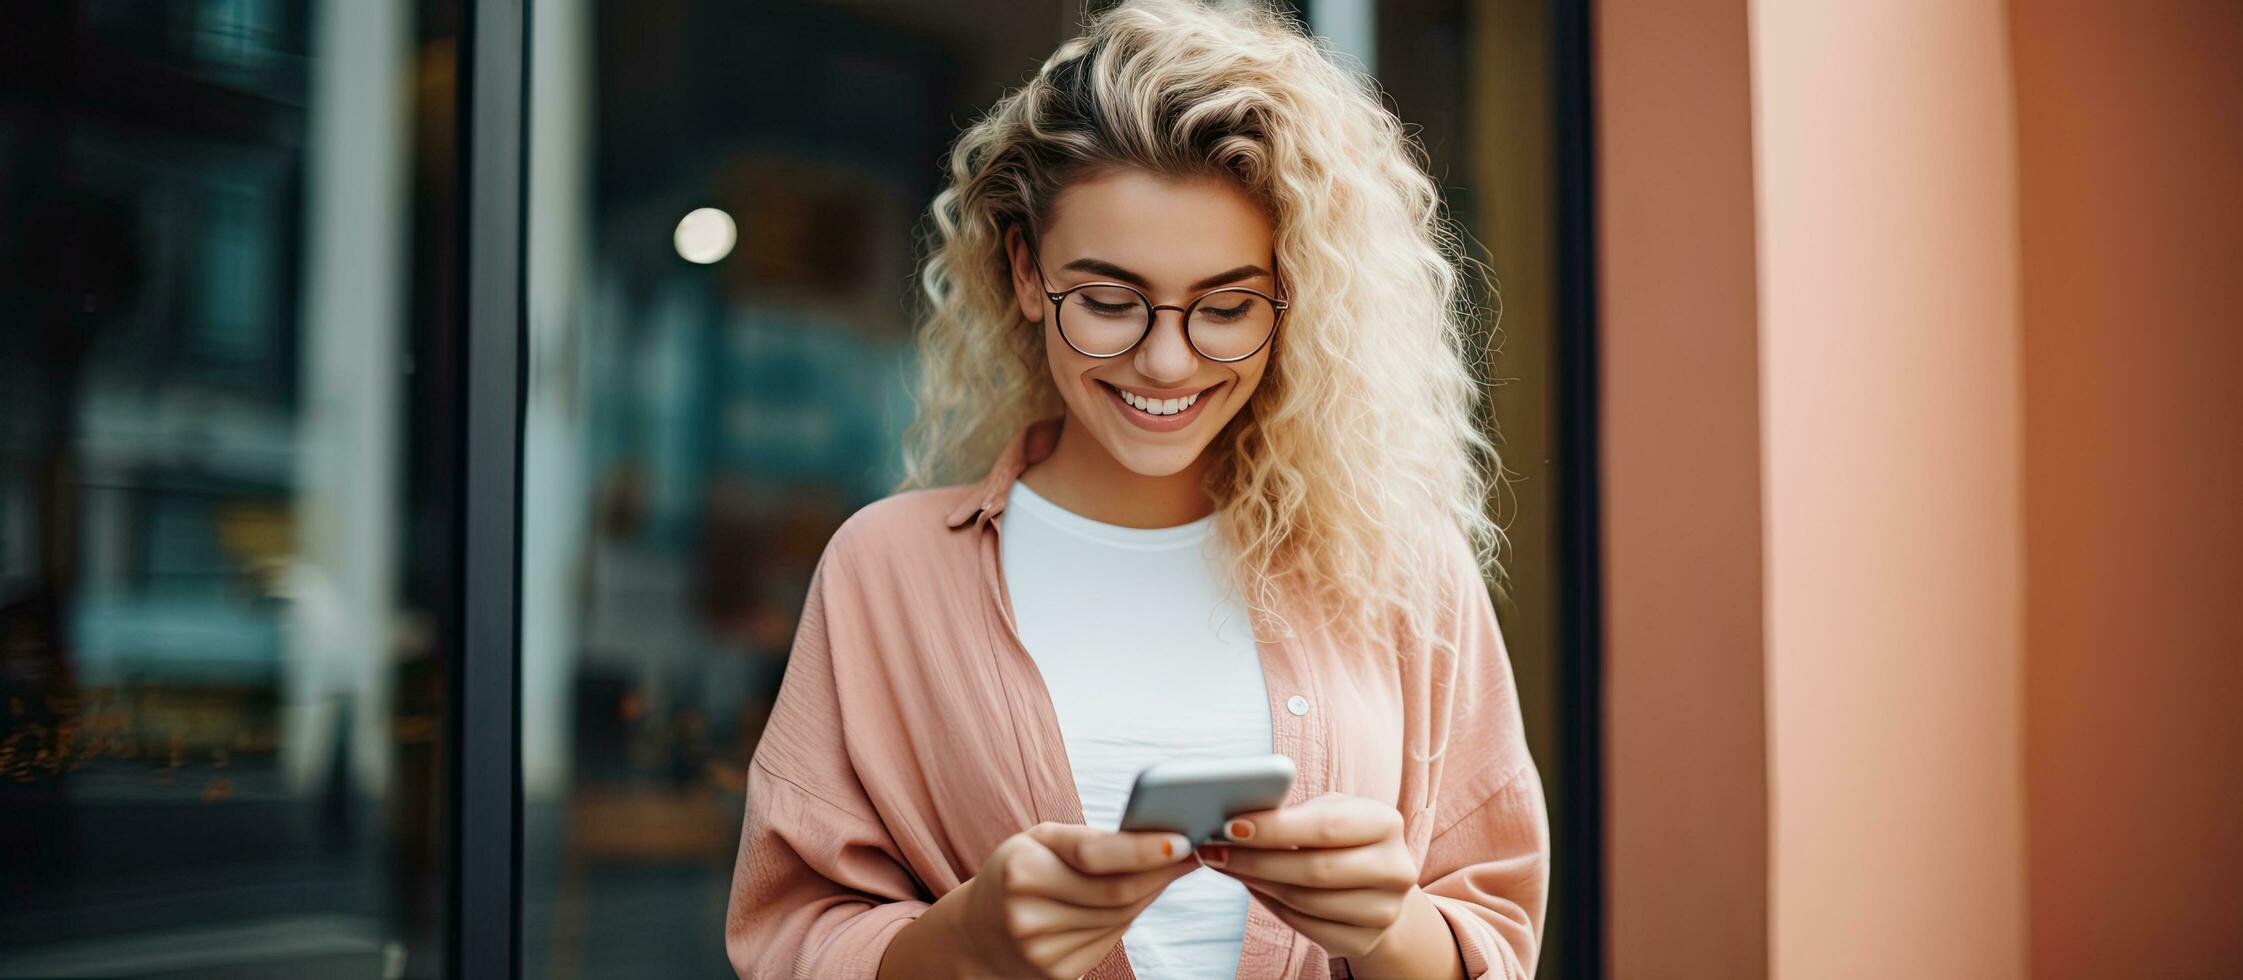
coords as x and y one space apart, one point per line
1158 406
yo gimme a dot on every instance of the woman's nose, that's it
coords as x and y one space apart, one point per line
1167 355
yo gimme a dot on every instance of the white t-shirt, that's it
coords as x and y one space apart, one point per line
1146 660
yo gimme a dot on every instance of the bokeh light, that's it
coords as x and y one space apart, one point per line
705 235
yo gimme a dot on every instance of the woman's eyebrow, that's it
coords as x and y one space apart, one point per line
1112 271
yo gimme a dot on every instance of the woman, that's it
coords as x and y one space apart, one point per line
1191 294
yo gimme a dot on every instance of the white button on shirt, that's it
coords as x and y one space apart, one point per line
1146 660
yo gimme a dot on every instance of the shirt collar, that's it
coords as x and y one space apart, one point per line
987 498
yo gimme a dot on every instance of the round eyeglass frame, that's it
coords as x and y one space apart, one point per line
1152 312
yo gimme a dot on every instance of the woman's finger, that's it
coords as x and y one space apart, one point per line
1331 820
1106 852
1087 953
1058 946
1030 916
1337 938
1372 907
1055 879
1376 866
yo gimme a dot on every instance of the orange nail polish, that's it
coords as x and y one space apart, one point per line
1239 830
1167 849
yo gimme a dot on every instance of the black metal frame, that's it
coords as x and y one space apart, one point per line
1581 596
486 772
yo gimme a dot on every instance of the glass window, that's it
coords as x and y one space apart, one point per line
722 204
224 230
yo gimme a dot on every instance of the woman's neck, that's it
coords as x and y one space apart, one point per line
1082 477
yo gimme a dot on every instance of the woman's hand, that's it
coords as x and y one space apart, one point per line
1337 869
1049 901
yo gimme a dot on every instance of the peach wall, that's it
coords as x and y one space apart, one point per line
1686 801
2131 131
1988 578
1890 407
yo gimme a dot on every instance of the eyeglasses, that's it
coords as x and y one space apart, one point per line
1109 319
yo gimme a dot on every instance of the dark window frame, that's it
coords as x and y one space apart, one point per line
1580 857
486 770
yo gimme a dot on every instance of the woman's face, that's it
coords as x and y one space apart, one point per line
1174 239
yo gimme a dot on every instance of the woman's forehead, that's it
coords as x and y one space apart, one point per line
1163 228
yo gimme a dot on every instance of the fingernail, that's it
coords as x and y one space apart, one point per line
1215 855
1239 830
1174 846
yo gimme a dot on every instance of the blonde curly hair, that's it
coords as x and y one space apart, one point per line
1346 482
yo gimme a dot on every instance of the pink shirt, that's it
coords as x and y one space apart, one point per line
913 735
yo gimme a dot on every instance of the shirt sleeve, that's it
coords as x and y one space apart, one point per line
819 888
1487 866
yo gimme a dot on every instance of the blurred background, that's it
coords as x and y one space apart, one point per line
229 433
236 400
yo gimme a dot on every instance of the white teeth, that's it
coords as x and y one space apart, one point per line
1158 406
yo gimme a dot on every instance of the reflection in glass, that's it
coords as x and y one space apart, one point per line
220 712
694 431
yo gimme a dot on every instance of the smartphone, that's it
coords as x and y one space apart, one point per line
1194 797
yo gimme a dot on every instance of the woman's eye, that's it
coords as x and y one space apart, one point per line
1228 312
1108 309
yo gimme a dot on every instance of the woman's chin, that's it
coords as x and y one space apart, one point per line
1148 455
1155 461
